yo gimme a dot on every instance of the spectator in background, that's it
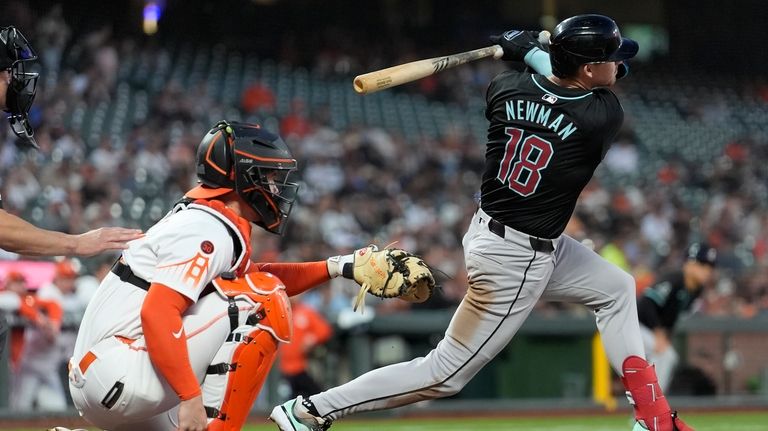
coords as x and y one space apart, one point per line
622 158
296 124
86 284
258 99
310 330
656 225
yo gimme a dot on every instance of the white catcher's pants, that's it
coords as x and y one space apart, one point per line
147 402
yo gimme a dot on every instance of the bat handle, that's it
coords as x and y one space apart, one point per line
544 36
498 51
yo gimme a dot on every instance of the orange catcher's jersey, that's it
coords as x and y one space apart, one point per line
184 251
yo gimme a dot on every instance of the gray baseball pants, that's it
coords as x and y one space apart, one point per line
506 279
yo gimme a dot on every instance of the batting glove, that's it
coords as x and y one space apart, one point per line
517 43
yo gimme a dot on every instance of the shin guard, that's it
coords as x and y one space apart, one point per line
644 393
236 377
241 365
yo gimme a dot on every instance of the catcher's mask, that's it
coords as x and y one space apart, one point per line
15 52
252 161
584 39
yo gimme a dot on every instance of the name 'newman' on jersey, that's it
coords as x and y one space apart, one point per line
526 110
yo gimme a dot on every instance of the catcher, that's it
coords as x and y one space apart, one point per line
183 331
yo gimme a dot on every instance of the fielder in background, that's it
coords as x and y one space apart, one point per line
548 133
661 304
17 91
310 330
39 314
183 331
45 349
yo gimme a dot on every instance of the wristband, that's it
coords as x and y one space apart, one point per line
340 265
539 61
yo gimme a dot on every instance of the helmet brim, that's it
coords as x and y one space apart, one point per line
627 50
205 192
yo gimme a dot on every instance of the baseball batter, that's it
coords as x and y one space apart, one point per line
548 132
182 333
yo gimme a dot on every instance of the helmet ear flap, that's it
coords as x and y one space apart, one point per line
215 158
622 70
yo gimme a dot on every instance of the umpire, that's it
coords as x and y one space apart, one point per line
17 91
660 306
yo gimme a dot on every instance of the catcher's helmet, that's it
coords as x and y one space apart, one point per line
252 161
15 52
583 39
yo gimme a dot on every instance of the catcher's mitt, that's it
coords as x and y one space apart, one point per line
390 273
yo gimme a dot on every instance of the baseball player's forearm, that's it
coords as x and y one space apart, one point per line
21 237
166 341
297 277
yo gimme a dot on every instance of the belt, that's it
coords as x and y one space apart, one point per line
537 244
126 275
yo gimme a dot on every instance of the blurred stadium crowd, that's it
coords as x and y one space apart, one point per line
118 121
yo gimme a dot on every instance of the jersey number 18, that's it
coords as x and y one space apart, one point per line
523 161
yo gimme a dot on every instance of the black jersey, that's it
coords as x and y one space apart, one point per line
661 304
544 144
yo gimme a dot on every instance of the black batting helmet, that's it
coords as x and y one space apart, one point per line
584 39
15 52
252 161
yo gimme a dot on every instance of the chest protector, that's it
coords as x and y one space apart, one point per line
266 293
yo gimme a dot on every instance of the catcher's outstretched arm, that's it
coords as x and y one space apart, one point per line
297 277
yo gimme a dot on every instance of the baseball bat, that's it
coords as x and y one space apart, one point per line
378 80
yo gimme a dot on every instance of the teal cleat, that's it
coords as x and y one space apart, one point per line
292 415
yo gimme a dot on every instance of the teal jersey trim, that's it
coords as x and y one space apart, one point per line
557 95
